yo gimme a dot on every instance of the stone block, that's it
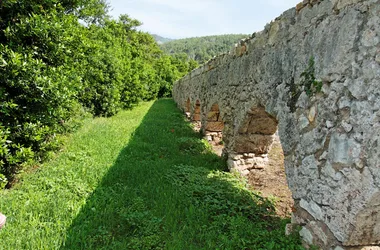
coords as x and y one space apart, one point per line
265 126
214 126
329 124
244 126
253 143
212 116
312 208
343 150
257 162
232 164
197 109
299 7
319 232
306 235
346 126
312 114
340 4
367 224
196 117
215 108
303 122
245 172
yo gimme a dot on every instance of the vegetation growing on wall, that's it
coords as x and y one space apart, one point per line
60 59
309 82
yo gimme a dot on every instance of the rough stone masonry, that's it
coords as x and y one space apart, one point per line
313 74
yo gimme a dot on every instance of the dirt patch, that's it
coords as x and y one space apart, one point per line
271 181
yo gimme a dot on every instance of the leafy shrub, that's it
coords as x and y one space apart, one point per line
36 101
12 156
53 68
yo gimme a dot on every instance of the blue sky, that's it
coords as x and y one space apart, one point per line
183 18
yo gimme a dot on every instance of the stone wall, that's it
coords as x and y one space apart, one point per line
330 136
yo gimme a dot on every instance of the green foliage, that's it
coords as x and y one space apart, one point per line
194 146
310 84
171 68
202 49
144 227
240 216
54 69
204 187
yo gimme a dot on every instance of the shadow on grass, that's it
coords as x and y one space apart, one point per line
166 190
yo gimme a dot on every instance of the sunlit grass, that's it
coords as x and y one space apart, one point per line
140 180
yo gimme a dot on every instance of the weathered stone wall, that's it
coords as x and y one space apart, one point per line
331 137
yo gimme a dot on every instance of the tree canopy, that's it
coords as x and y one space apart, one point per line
62 59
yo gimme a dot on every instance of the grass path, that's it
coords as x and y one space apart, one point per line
140 180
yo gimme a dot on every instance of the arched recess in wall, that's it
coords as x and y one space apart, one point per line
256 132
258 153
197 112
213 129
187 108
196 116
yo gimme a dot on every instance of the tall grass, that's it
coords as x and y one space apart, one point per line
140 180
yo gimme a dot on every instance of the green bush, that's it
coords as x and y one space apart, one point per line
54 68
35 102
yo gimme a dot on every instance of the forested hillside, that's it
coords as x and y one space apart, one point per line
201 49
160 39
61 60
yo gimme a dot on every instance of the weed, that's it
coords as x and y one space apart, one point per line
309 82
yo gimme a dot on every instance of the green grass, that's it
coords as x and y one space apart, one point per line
140 180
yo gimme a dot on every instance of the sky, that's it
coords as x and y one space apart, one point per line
190 18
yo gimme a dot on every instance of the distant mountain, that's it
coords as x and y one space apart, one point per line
160 39
201 49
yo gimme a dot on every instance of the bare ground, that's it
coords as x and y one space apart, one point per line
271 181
